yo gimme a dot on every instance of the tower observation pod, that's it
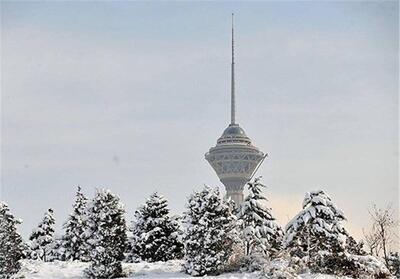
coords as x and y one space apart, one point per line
234 158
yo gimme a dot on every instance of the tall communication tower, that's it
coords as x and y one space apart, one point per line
234 158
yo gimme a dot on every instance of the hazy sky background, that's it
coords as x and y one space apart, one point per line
130 95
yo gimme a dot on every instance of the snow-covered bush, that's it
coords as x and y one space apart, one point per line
333 263
11 244
260 232
41 239
394 263
106 235
74 239
156 235
210 233
345 264
237 260
253 262
279 268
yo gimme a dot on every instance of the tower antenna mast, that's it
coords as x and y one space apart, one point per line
233 105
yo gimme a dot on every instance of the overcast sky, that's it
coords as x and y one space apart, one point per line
129 96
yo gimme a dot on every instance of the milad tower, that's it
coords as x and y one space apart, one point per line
234 158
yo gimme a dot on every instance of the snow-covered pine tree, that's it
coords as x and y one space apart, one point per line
74 239
261 233
354 247
106 235
316 228
316 236
42 238
11 244
210 233
156 235
57 251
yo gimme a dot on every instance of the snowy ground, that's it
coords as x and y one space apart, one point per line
172 269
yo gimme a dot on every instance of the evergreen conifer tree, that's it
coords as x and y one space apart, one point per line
74 240
42 238
317 227
354 247
156 235
261 233
11 244
210 233
317 236
57 251
106 235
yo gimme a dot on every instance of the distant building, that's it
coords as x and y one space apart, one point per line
234 158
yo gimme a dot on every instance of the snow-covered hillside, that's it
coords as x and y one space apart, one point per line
171 269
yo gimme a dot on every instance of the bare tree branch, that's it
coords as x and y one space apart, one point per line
382 235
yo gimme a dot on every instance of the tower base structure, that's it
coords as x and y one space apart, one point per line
234 188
